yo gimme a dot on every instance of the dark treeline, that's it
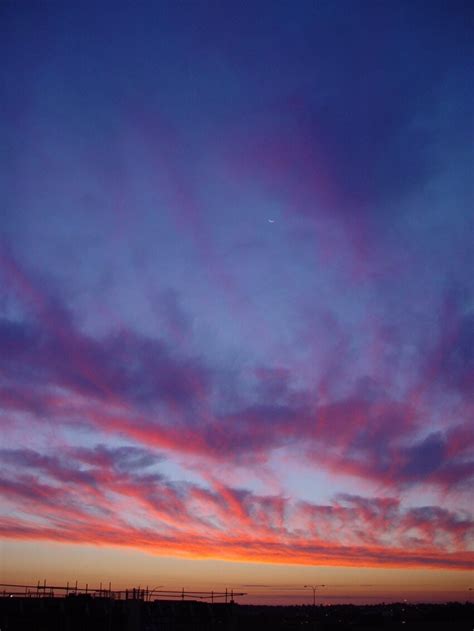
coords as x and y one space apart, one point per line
87 613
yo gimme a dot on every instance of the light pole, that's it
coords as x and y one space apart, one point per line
314 588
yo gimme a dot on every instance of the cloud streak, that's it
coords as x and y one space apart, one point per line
219 521
144 389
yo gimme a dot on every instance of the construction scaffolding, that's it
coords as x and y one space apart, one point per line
42 590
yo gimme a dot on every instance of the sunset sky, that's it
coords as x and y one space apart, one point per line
237 296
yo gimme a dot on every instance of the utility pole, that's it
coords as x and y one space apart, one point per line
314 588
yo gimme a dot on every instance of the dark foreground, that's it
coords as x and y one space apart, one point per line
87 613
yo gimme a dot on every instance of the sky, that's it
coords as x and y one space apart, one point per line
237 296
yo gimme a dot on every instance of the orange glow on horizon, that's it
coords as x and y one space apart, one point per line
264 583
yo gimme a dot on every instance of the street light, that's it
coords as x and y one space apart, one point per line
314 588
154 590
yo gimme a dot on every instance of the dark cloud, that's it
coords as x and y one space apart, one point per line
127 458
457 360
366 434
424 458
47 346
53 466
